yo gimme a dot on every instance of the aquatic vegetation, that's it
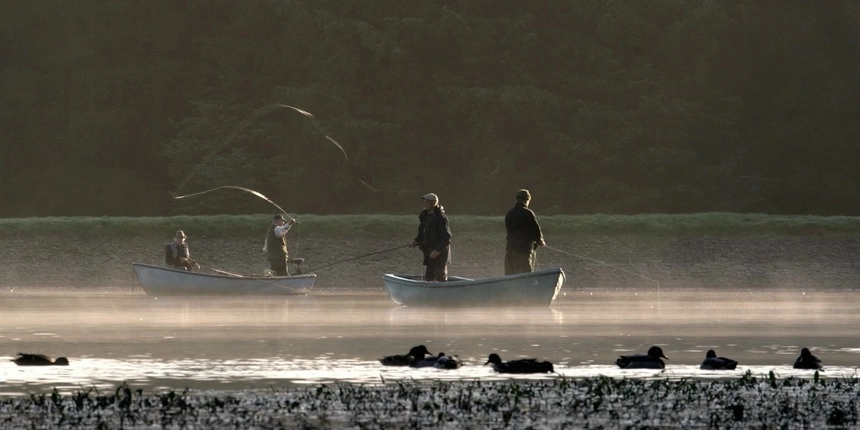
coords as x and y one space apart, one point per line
590 402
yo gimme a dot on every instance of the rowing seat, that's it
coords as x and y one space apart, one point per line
296 264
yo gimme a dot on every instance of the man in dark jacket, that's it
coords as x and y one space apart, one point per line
524 236
177 255
434 239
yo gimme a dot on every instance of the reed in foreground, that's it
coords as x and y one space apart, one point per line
746 402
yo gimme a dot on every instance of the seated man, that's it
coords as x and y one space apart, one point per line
176 254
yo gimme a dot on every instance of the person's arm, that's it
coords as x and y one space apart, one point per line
280 231
419 238
443 238
537 235
444 235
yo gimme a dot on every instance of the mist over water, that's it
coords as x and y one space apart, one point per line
338 335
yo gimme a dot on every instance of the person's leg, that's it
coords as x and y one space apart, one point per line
441 272
516 262
510 263
429 273
532 261
279 267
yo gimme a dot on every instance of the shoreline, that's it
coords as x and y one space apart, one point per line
81 261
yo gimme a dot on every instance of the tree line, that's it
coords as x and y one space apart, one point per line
669 106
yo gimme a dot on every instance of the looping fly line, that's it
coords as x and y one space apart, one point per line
234 187
257 114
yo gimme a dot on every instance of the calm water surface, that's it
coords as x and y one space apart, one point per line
336 335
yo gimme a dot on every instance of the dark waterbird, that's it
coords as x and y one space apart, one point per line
25 359
427 361
416 353
712 362
524 365
808 361
652 360
447 362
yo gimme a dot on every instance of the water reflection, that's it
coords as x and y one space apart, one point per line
248 343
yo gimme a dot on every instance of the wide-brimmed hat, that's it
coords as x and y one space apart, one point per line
180 233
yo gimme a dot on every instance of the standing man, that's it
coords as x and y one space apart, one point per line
177 255
434 239
524 236
276 244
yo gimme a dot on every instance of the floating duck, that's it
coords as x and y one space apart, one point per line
426 361
652 360
808 361
39 360
416 353
525 365
712 362
447 362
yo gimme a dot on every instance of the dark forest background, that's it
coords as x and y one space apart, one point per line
596 106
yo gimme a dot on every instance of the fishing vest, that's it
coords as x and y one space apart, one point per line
175 251
276 247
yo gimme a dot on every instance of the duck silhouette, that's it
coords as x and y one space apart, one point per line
427 361
712 362
416 353
652 360
808 361
524 365
25 359
447 362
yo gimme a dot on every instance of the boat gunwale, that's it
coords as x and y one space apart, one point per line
401 280
220 276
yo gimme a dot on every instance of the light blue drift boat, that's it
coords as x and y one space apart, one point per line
163 281
538 288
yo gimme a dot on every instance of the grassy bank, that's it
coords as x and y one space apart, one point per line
659 225
681 251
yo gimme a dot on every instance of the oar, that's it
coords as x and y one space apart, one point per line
224 272
267 283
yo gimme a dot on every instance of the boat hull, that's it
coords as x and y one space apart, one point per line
532 289
163 281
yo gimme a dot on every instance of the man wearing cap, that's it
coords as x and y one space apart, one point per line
176 254
434 239
276 244
524 236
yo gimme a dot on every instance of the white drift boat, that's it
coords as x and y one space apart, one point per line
538 288
163 281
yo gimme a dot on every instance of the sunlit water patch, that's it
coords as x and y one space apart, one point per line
223 343
104 374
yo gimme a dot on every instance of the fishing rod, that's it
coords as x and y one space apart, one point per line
360 256
608 265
